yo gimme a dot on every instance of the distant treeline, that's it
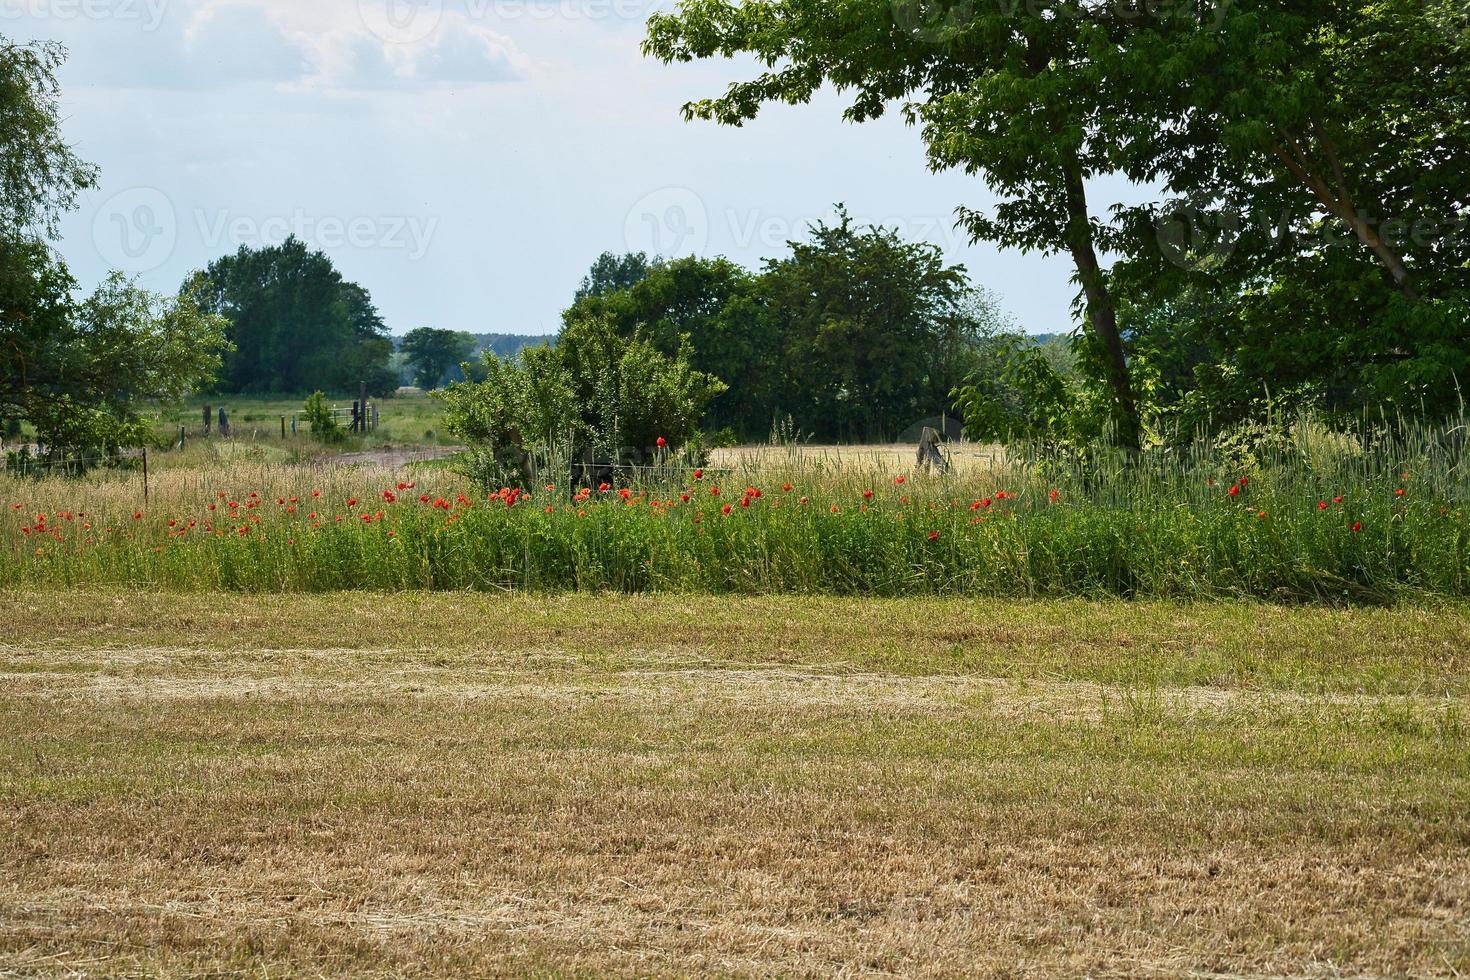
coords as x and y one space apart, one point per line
855 335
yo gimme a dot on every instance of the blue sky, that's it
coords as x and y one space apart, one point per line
465 160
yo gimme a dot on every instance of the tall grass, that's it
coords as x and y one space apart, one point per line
1296 512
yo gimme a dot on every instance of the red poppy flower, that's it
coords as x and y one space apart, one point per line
1357 526
1399 492
933 535
390 497
699 474
1054 495
662 442
1337 500
137 515
787 487
1235 491
714 491
604 487
727 508
900 481
1322 505
744 502
867 495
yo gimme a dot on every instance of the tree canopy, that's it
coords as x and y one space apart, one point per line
77 368
295 323
40 174
1312 158
434 356
856 334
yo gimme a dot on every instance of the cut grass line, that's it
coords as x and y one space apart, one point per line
466 785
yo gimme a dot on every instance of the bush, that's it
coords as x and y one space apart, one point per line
324 427
596 397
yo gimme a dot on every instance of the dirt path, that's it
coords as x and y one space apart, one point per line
394 459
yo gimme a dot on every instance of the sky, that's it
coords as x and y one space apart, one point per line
464 160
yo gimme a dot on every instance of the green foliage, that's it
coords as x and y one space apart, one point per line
40 175
78 370
296 324
1000 91
595 395
1292 512
1020 396
324 427
615 273
433 356
856 335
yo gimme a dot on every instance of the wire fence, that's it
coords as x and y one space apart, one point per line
36 463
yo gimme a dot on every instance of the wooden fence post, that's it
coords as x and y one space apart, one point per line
145 476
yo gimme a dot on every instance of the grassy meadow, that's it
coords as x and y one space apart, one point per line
806 712
420 784
1312 517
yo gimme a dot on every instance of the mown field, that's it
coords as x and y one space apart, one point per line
603 785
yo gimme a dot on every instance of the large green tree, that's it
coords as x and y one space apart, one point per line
1317 248
296 324
870 327
432 355
77 368
80 369
712 307
40 174
1001 91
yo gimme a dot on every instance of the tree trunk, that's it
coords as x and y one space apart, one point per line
1102 316
1340 203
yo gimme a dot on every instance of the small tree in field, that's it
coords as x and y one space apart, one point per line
596 395
324 426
